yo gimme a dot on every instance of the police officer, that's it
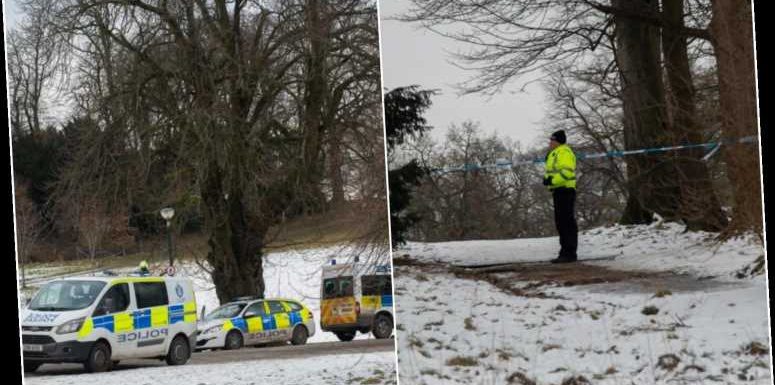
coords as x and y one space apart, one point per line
143 268
560 178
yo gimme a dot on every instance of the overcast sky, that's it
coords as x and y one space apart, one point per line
413 55
10 13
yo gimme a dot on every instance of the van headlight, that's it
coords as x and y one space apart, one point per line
70 326
213 329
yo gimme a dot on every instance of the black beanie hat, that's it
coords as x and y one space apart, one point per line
558 136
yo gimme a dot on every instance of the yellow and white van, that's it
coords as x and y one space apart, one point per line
356 297
99 320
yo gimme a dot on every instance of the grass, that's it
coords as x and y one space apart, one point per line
462 361
650 310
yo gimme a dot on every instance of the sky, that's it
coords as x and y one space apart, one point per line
10 13
413 55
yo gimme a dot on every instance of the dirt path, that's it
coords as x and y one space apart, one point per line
531 279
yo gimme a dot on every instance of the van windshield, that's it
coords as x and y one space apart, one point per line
226 311
66 295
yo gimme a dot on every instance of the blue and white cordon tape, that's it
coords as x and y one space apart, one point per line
506 164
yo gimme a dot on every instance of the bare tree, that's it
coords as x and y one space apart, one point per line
221 103
38 63
28 226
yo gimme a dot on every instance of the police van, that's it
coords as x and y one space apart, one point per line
356 297
254 321
99 320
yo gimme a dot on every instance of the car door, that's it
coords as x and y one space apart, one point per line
254 316
151 318
114 314
282 320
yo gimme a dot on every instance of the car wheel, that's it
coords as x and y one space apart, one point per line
99 358
383 327
345 336
300 335
233 340
179 351
30 367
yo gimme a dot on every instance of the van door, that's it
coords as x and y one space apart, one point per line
113 313
338 306
254 320
151 318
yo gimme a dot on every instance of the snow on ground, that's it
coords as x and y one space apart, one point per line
294 274
373 368
463 330
657 247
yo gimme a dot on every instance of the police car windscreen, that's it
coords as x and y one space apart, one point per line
338 287
66 295
226 311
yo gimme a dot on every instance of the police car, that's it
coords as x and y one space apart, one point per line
99 320
254 321
356 297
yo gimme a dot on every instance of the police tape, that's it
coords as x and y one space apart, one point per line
506 164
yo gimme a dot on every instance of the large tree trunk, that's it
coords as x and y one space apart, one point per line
700 208
235 253
651 178
731 29
315 91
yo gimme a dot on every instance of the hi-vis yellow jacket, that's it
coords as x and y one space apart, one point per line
561 167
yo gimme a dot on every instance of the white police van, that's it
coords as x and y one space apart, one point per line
99 320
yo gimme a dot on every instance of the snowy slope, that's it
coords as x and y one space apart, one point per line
455 329
657 247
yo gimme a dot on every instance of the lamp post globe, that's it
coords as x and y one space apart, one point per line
167 213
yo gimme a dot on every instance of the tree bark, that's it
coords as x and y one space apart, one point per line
651 183
732 30
700 207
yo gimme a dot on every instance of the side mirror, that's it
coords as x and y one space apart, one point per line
249 314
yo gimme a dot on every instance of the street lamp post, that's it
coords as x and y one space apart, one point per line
167 213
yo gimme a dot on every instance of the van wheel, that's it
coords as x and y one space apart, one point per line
30 367
99 358
300 335
383 327
179 352
345 336
233 340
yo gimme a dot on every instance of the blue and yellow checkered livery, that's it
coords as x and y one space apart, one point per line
153 317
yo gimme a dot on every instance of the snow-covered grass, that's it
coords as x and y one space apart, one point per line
459 329
376 368
656 247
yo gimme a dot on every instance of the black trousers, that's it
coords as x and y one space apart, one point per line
565 220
